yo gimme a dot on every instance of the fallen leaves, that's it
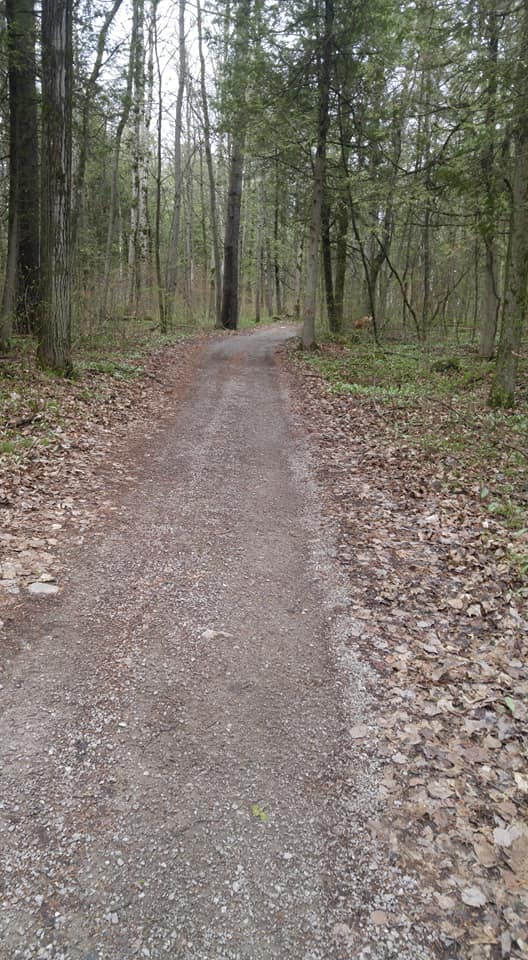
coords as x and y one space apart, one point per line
473 897
444 624
56 436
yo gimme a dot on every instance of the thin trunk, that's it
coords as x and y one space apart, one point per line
491 305
10 283
157 215
173 264
308 333
258 256
327 266
515 293
210 171
114 188
89 93
276 263
230 305
230 287
136 261
55 324
341 263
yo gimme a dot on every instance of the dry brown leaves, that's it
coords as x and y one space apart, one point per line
435 611
52 488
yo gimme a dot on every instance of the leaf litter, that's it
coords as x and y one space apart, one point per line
439 613
60 444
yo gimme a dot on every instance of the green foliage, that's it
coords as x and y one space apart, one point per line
440 409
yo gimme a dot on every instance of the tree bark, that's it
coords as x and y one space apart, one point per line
217 261
327 266
157 216
230 304
21 290
515 294
230 291
89 93
172 266
308 333
138 232
57 67
488 227
341 263
114 188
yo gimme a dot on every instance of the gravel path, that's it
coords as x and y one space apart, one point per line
176 775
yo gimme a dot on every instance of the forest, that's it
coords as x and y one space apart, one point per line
263 489
359 167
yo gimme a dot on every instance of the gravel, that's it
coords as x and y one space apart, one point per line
177 774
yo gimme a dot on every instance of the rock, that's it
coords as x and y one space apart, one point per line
474 897
505 838
43 589
210 634
10 586
358 732
379 918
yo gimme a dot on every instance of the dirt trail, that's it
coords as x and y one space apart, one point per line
176 780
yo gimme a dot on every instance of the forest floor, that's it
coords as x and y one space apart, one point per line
260 696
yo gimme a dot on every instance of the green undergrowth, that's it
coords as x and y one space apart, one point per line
435 402
36 405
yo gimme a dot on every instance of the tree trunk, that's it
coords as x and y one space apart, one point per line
114 188
172 266
230 292
21 292
488 226
327 266
276 260
230 305
341 263
89 93
157 216
57 68
136 242
515 293
210 172
308 333
10 282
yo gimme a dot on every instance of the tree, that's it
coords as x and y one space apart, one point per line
56 184
21 286
230 291
89 91
217 262
319 174
172 266
516 285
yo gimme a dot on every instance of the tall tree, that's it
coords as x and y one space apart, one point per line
319 175
57 68
89 91
217 262
488 220
21 284
516 285
138 236
172 266
230 286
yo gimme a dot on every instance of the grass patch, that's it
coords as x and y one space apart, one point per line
115 368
